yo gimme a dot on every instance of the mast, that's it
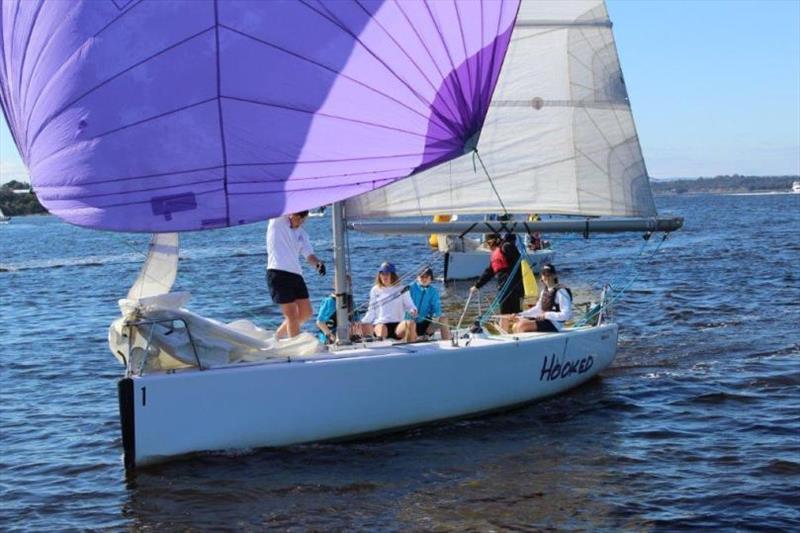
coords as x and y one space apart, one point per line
341 287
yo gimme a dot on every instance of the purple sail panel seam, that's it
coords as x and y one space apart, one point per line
307 189
459 89
495 77
58 113
113 21
472 86
433 61
7 60
329 69
25 50
42 53
355 37
223 143
445 121
126 126
143 202
485 102
324 161
478 96
328 115
131 178
67 197
328 176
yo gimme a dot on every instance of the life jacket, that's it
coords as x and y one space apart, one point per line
549 302
498 260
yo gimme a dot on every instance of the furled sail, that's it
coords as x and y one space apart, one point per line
176 115
559 136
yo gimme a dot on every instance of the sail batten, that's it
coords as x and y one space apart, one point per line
559 137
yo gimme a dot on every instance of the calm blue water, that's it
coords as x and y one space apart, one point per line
697 423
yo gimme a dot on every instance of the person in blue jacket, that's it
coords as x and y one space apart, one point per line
326 319
429 306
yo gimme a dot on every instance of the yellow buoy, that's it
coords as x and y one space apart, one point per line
433 240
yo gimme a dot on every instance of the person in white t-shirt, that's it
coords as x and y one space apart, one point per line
286 241
388 303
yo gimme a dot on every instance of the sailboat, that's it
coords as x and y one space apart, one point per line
3 218
466 257
280 107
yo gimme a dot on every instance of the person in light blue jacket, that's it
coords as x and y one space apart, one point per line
326 319
429 306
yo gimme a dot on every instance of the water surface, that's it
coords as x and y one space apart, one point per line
695 425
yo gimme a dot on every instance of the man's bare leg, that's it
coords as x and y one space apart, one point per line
291 324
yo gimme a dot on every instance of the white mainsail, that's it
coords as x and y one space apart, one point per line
559 136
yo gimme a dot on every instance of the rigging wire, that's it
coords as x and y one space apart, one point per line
491 182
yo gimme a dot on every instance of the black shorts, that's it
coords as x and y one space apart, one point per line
286 287
422 327
511 304
545 325
391 329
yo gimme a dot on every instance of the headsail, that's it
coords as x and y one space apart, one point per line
160 268
559 136
166 116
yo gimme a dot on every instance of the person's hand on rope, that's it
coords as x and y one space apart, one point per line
473 289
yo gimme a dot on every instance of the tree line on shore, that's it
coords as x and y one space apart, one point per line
17 198
724 184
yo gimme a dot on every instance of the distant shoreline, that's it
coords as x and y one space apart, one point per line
16 200
734 184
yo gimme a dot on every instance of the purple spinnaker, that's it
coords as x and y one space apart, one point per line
159 116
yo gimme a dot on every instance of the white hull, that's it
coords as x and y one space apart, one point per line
470 265
349 394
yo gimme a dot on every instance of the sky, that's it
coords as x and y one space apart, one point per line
714 86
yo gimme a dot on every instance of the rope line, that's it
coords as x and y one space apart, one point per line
491 182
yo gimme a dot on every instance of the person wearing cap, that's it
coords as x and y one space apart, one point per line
388 303
551 311
429 306
286 241
502 264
